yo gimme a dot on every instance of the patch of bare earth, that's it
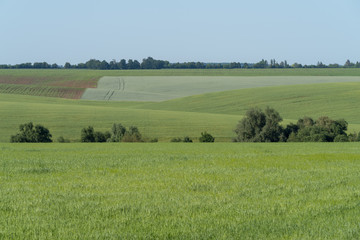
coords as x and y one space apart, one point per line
45 86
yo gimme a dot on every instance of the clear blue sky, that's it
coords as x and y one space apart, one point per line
304 31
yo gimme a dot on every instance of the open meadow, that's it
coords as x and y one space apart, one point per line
180 191
162 190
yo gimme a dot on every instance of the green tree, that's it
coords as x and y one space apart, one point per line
132 135
31 133
87 134
259 126
206 137
118 132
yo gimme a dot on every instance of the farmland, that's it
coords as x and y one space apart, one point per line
217 113
181 191
160 88
65 83
177 190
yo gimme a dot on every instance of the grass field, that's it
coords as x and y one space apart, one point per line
217 113
177 190
180 191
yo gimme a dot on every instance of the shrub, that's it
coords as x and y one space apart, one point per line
29 133
132 135
117 132
187 140
354 137
341 138
87 134
206 137
99 137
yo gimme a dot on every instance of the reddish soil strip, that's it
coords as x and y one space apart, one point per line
69 93
46 81
75 84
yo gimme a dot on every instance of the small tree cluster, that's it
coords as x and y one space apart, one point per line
185 139
323 129
206 137
259 126
118 133
31 133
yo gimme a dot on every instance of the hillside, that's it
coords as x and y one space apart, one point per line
217 113
71 83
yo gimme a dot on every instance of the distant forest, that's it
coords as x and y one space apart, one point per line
150 63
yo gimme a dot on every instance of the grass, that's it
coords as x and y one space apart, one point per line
180 191
217 113
336 100
67 117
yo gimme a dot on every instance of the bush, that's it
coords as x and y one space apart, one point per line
187 140
354 137
117 132
206 137
99 137
341 138
87 134
132 135
29 133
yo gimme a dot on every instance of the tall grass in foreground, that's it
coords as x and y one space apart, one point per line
181 191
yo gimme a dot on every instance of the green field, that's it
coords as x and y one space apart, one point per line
177 190
217 113
180 191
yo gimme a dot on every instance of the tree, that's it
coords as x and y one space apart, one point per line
67 65
133 135
323 129
31 133
259 126
206 137
118 132
87 134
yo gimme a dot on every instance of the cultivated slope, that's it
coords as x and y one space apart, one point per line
160 88
71 83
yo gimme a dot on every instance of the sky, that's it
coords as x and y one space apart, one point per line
75 31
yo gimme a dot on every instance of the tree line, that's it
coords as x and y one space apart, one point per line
264 126
256 126
151 63
30 133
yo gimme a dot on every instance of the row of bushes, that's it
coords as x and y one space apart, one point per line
205 137
256 126
118 133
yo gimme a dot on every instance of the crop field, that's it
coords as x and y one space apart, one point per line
180 191
71 83
160 88
177 190
217 113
